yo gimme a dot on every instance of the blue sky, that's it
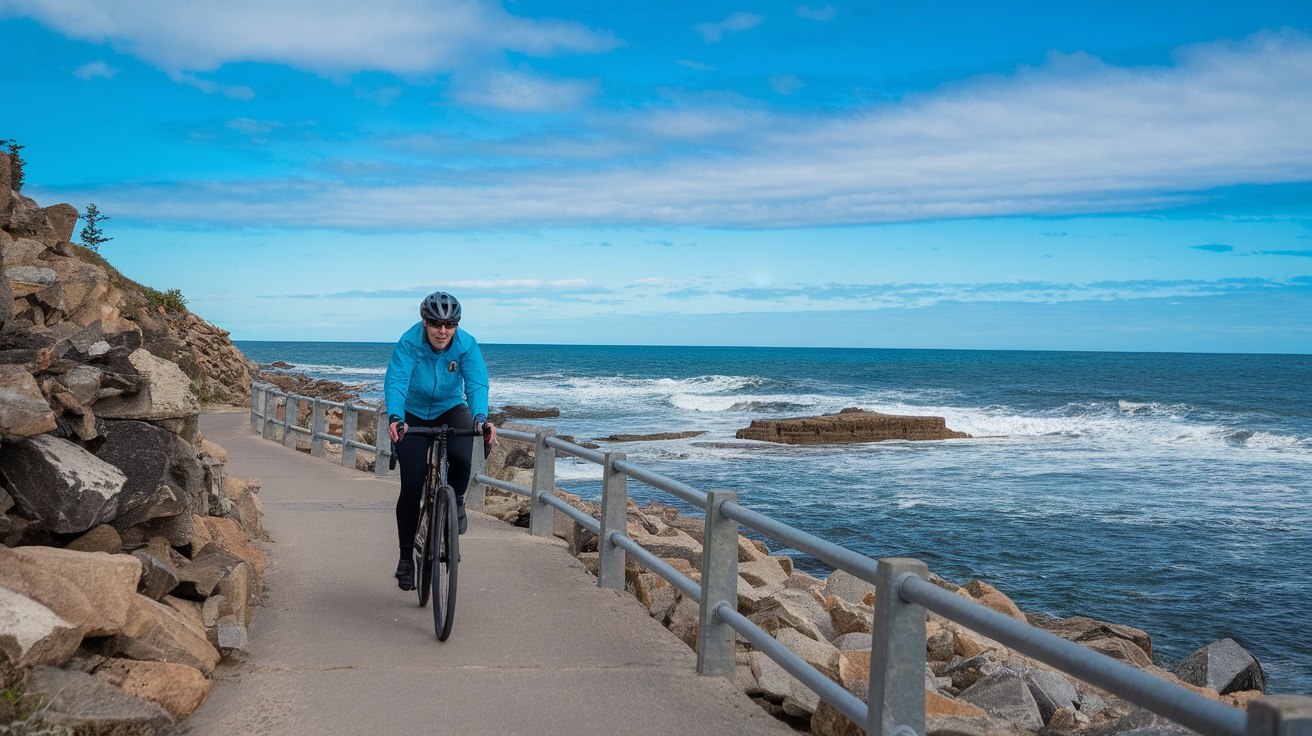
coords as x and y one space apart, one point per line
1104 176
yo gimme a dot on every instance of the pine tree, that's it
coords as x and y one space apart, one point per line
16 164
91 235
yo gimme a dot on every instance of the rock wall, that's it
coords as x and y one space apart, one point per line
127 568
973 685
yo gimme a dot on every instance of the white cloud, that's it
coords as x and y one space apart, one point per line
740 21
522 90
323 36
825 13
95 69
785 84
695 65
1075 135
236 92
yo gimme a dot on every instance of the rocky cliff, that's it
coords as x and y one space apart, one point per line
127 569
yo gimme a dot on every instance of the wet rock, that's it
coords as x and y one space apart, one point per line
650 437
53 480
528 412
1224 666
848 426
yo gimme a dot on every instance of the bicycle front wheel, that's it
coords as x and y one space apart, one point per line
446 565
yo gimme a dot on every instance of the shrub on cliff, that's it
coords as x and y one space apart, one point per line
171 300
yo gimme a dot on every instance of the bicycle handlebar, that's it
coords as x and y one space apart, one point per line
442 432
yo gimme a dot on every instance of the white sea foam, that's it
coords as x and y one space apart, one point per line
337 370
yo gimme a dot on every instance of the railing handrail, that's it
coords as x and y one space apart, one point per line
897 667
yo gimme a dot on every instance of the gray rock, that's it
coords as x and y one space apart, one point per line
164 393
969 671
853 641
32 634
1005 695
63 220
164 478
1223 666
158 576
59 483
85 704
847 586
200 579
33 275
6 296
1051 691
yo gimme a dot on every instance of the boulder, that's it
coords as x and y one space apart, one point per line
678 546
61 484
103 538
848 426
6 295
1005 695
93 589
1223 666
164 478
990 597
849 617
794 609
853 641
777 685
819 654
942 705
854 672
158 576
176 688
1051 691
23 408
967 672
28 220
165 392
227 534
200 578
827 721
83 703
847 586
160 633
31 634
1125 643
62 219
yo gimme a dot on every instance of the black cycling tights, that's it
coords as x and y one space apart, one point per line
412 453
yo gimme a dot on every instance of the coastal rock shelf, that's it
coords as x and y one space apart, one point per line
848 426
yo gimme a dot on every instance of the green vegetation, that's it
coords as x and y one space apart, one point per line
91 235
16 164
171 300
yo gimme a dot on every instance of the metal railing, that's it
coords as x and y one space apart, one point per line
896 695
268 401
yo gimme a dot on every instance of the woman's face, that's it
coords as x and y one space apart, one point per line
439 333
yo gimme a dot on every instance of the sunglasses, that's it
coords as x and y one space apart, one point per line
441 324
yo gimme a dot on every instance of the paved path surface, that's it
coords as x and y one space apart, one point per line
537 648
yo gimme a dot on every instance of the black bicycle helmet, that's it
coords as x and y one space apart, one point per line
440 306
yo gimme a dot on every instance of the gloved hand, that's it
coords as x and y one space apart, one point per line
489 431
396 430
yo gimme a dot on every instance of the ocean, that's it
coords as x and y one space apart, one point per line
1170 492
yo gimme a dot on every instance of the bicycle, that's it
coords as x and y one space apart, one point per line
437 537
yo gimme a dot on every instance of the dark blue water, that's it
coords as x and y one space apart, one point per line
1171 492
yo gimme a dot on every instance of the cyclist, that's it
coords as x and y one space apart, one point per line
436 377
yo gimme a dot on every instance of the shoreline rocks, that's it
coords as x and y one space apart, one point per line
848 426
973 685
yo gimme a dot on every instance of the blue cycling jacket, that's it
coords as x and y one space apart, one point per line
427 382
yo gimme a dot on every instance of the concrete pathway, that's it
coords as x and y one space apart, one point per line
537 647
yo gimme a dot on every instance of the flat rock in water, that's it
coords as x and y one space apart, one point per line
848 426
650 437
528 412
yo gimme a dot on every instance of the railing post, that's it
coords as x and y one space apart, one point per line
266 424
1280 715
544 481
349 421
715 638
474 497
897 661
290 415
614 518
255 392
318 427
383 443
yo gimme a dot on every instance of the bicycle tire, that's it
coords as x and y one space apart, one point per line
446 565
424 565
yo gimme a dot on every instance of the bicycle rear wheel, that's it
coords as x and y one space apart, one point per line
446 563
423 554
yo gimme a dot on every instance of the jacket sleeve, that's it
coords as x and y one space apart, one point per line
396 384
474 372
